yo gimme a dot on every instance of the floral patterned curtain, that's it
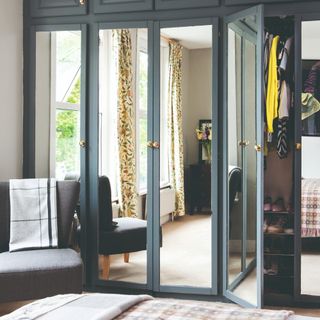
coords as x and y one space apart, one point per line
175 125
126 126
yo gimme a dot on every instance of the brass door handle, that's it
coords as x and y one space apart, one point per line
156 145
153 144
298 146
244 143
82 143
258 147
82 2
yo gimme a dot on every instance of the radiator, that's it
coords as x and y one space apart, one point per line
167 201
167 204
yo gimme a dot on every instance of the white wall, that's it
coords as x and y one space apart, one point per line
310 157
11 77
196 95
42 147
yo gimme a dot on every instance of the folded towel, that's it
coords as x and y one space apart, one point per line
33 214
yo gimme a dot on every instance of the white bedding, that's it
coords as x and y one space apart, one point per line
93 306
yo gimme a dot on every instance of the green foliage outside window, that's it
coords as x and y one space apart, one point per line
67 135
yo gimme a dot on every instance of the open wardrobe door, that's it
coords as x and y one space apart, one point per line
243 162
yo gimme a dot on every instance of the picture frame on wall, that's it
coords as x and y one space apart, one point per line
204 133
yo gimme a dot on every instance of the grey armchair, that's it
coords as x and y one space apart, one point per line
33 274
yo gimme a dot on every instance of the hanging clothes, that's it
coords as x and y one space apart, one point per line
312 83
286 53
272 89
311 117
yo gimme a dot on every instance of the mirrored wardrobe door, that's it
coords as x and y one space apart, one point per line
243 201
310 157
58 105
186 136
123 155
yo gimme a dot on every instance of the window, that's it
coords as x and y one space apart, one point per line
142 111
65 103
108 112
164 83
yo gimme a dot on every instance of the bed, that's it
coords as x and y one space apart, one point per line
310 208
98 306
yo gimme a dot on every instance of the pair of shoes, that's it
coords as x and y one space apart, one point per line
273 271
278 205
278 226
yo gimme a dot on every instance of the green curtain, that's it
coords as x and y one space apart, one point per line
126 126
175 125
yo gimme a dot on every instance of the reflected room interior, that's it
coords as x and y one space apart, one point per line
57 110
242 213
123 125
310 157
57 121
185 154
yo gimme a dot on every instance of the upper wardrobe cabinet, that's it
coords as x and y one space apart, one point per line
106 6
49 8
235 2
183 4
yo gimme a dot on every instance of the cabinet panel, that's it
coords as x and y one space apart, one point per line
183 4
239 2
46 8
106 6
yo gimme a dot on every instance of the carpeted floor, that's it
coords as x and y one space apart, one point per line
185 255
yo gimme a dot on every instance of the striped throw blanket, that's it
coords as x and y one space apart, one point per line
33 214
310 208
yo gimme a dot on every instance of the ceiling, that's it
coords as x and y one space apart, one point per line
195 37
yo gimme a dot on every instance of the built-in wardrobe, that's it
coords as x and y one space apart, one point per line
192 126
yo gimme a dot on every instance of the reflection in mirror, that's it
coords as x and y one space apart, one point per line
241 88
123 101
185 156
310 158
58 74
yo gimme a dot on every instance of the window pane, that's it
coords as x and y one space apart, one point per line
143 105
67 138
68 63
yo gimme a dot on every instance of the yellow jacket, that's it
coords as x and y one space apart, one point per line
272 89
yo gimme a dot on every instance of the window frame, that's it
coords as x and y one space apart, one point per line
56 105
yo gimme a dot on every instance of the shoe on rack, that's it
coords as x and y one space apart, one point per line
278 227
267 204
278 205
274 269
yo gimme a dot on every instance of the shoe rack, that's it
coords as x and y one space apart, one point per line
278 252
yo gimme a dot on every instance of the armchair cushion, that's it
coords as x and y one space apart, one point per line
39 273
129 236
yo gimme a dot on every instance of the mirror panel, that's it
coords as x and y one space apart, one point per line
58 82
123 124
185 156
242 160
310 157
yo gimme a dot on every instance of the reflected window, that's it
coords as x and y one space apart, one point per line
58 83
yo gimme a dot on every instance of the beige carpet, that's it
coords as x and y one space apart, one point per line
185 255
